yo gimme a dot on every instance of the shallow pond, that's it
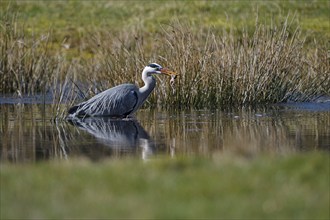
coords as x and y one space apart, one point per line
28 133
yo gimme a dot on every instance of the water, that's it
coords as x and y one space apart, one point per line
28 133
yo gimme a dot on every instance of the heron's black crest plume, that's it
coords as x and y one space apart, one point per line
154 65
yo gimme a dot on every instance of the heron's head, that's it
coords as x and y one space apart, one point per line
155 68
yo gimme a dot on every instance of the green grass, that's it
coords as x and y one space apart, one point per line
74 18
289 187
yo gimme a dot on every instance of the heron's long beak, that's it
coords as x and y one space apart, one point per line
168 72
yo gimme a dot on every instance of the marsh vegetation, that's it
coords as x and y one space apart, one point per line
218 65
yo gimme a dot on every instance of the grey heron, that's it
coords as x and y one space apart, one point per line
122 100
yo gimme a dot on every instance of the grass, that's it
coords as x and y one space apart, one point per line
231 57
115 16
295 187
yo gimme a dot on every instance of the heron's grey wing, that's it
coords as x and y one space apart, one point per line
117 101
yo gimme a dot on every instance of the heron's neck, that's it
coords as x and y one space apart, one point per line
149 85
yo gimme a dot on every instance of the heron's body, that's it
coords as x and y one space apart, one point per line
120 101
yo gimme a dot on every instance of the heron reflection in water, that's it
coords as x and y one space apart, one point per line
117 134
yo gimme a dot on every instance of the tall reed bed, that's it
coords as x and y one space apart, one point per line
32 64
24 62
217 68
267 67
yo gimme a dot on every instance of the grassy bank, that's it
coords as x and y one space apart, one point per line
72 20
295 187
227 53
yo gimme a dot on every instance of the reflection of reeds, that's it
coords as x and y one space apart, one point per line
28 135
245 132
270 65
